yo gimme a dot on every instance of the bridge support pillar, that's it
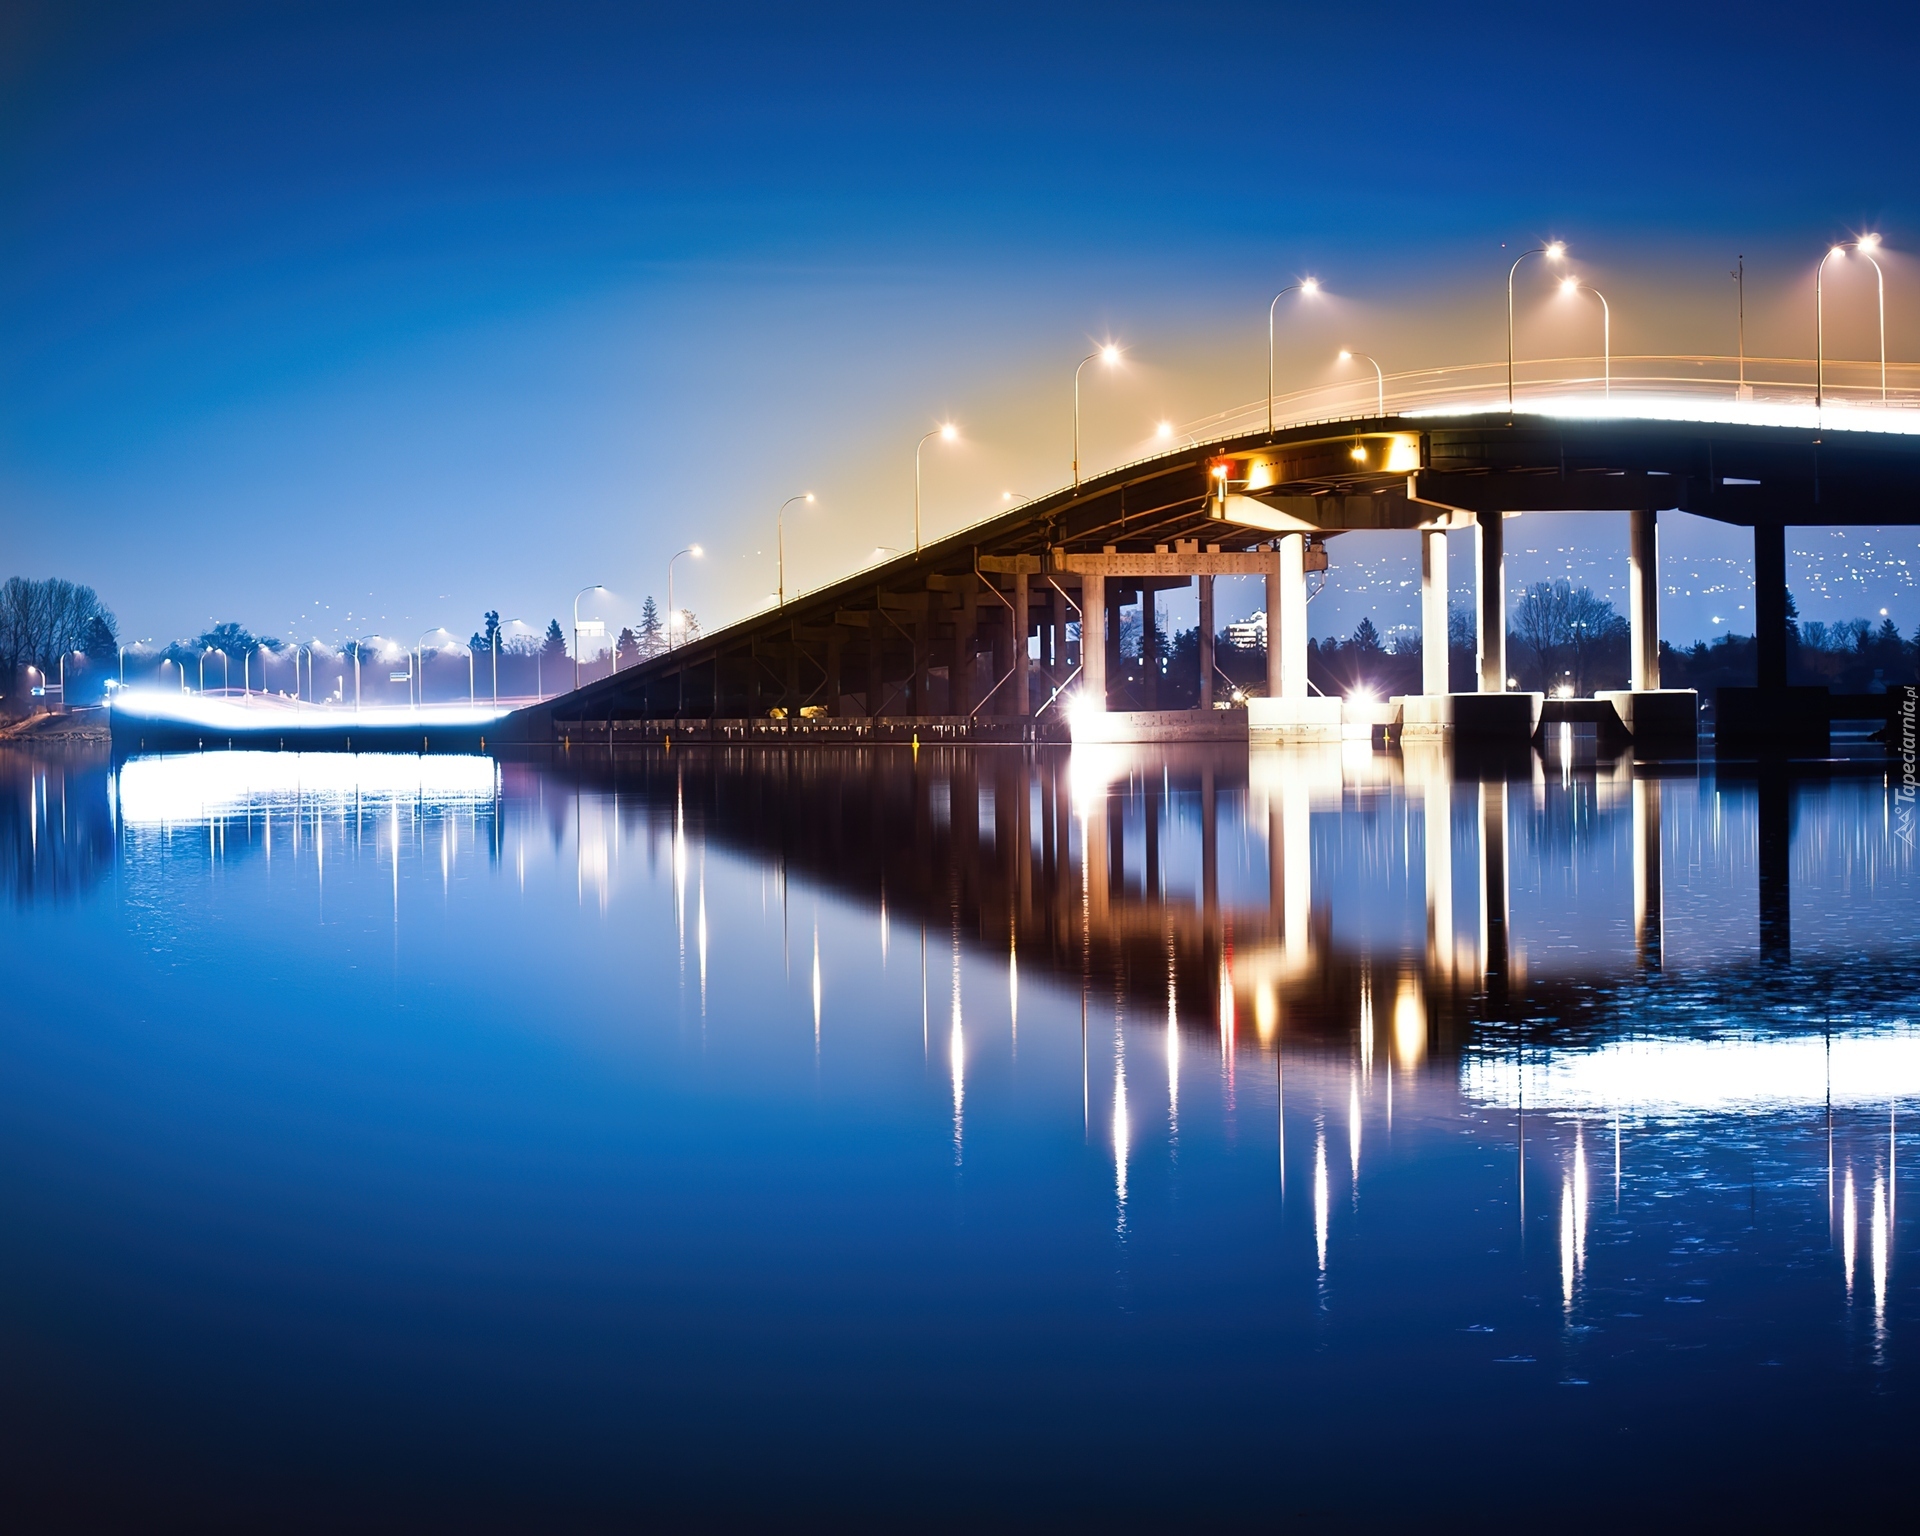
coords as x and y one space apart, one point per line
1287 620
1433 611
1206 642
1643 599
1022 621
1770 603
1093 642
922 664
1490 541
1149 649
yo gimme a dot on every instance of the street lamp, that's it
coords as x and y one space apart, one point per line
673 613
420 659
123 658
1308 286
947 432
1110 355
1572 285
1866 245
225 674
1553 250
780 531
1379 379
594 587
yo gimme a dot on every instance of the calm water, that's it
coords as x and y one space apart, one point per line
1128 1140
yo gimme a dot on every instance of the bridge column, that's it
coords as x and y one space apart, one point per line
1149 647
833 671
1490 540
876 662
1287 620
1022 619
960 669
921 662
1643 599
1206 642
1093 641
1433 610
1770 603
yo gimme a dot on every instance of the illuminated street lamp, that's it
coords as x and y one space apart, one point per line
1573 285
1110 355
225 675
780 529
947 432
123 657
595 587
1308 286
1379 379
673 613
1553 250
1866 245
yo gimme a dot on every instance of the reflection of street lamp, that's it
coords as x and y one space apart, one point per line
1110 355
946 432
1553 251
1379 378
1572 285
673 613
594 587
1307 285
780 535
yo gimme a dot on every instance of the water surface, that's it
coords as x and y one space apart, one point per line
1112 1138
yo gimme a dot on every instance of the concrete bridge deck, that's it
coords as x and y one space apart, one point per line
1017 618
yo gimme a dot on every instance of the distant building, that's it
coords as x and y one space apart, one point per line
1249 634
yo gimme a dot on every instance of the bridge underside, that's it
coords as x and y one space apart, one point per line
995 628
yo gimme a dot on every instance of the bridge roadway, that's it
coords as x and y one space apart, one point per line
968 638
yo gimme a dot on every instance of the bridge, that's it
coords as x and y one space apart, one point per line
1008 629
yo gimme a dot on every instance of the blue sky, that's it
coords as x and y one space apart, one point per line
338 319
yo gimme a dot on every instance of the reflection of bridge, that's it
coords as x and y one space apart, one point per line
1183 878
987 633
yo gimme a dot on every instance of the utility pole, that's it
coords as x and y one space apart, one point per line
1739 276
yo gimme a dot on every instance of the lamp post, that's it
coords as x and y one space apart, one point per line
947 432
592 587
420 659
780 530
1553 250
1308 286
1866 245
123 659
225 668
1572 285
1110 355
1379 379
673 613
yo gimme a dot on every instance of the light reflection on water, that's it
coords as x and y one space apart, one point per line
415 1091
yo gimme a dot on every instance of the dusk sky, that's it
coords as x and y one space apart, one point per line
336 320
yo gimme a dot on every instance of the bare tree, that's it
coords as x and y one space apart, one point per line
40 621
